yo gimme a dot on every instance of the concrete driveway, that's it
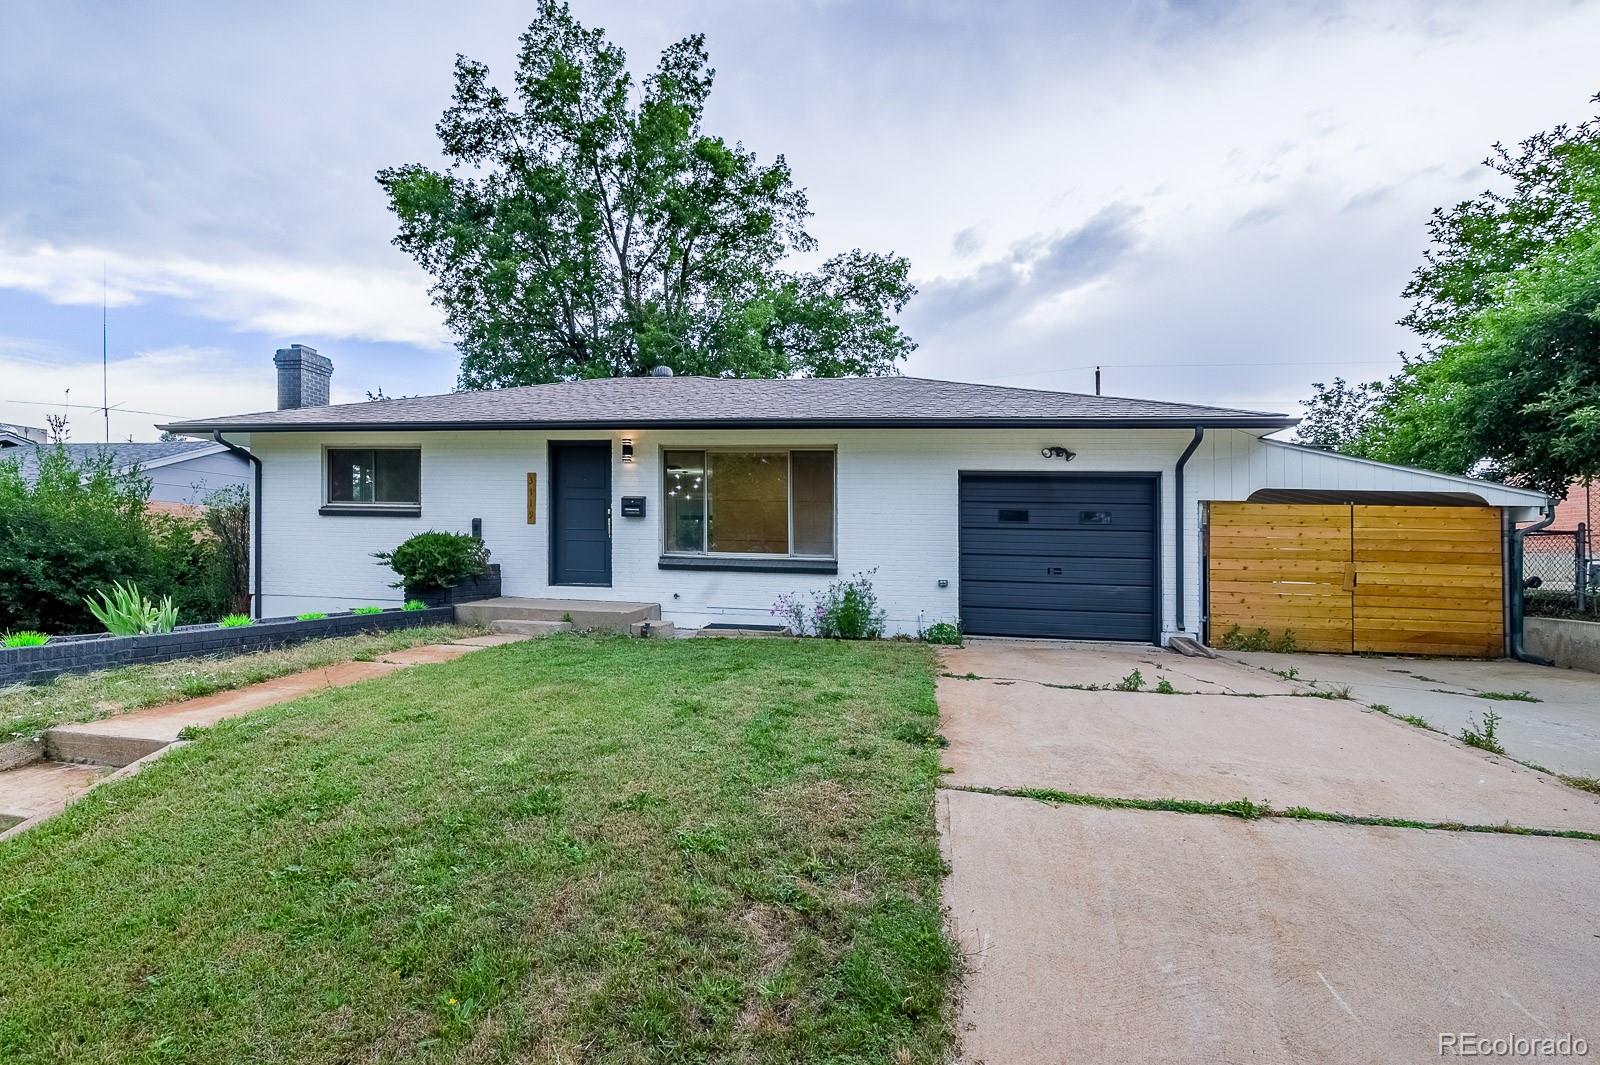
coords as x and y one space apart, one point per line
1132 935
1555 724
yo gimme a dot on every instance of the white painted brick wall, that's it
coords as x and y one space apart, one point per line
897 504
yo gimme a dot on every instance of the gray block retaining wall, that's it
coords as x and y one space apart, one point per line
1567 643
84 654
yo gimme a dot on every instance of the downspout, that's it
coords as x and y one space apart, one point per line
1181 522
255 522
1517 650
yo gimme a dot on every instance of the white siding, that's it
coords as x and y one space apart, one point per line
191 480
896 511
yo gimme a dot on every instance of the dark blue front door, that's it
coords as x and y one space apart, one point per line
580 522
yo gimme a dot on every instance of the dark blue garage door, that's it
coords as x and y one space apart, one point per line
1058 555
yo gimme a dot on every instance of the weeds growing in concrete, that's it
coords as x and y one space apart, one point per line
1340 692
1131 683
1410 719
1484 737
1251 811
1164 687
1510 697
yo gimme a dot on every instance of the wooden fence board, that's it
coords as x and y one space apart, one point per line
1412 580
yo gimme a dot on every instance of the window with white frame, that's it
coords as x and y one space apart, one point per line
749 502
374 477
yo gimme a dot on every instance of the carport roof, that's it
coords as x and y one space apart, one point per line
744 403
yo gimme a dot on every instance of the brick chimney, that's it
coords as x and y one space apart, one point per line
303 377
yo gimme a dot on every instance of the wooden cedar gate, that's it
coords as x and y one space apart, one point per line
1398 580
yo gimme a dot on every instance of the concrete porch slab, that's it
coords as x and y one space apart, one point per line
1135 937
1329 755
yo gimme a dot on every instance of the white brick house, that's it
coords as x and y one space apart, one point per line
1019 512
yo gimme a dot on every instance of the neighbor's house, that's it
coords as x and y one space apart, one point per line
1019 512
182 473
1580 506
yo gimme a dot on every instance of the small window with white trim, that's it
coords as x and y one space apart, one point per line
375 477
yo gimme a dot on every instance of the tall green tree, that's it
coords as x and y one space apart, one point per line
592 228
1507 305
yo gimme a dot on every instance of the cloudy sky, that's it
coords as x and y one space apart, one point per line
1218 202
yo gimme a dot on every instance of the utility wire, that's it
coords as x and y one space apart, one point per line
93 406
1183 365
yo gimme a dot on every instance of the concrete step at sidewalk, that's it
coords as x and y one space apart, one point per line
33 789
581 613
117 741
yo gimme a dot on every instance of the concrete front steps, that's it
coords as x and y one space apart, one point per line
541 617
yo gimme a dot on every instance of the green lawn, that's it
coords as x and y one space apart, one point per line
571 849
27 710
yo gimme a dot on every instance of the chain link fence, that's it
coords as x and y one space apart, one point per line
1559 579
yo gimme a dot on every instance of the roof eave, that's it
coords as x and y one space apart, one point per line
1271 422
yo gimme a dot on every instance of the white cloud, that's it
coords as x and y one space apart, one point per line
1282 158
147 388
274 297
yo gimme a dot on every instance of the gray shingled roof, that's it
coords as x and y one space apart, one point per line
735 403
122 455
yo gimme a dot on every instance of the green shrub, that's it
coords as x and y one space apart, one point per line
125 612
366 610
25 638
81 525
436 560
845 610
313 615
415 604
943 632
848 610
235 621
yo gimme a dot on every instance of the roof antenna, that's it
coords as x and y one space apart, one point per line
105 361
1097 380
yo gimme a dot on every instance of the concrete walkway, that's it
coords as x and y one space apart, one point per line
1143 936
80 756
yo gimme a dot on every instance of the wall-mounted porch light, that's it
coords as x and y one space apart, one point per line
627 449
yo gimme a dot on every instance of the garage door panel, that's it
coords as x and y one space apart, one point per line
1077 543
1111 598
1090 517
1058 569
1058 624
1054 488
1064 556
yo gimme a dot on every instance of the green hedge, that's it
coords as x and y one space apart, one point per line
81 526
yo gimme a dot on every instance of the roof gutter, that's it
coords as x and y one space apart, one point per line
1267 422
1518 651
255 521
1181 523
